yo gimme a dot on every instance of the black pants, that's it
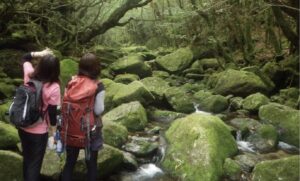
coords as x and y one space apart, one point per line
72 155
34 147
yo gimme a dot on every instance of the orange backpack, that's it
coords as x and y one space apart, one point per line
78 111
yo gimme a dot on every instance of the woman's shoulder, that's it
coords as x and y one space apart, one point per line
54 86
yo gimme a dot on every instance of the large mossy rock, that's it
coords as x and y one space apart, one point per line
126 78
156 86
68 68
254 101
9 136
288 97
131 115
180 99
285 169
3 112
11 166
176 61
135 91
238 83
6 90
163 115
211 103
198 146
109 160
111 89
133 64
286 119
114 134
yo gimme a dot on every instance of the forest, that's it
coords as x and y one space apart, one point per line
196 90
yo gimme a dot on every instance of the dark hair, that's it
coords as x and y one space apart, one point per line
47 70
89 66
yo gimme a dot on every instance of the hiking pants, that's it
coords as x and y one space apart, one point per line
72 155
34 147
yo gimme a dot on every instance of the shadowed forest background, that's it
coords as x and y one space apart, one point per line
166 65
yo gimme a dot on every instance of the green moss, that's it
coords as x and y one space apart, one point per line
131 115
9 136
163 115
231 168
126 78
285 169
284 118
180 100
111 89
132 64
254 101
68 68
198 147
135 91
6 90
156 86
3 111
10 166
239 83
114 134
176 61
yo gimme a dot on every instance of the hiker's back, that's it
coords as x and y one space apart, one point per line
77 111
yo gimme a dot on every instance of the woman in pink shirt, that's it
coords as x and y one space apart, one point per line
34 138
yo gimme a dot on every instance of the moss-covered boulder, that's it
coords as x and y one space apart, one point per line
107 55
52 165
211 103
206 63
180 100
135 91
254 101
68 68
264 138
11 166
232 170
245 125
3 111
6 90
238 83
247 161
284 118
198 147
163 115
9 136
156 86
111 89
109 160
131 115
176 61
160 74
114 134
285 169
133 64
288 97
141 147
126 78
235 103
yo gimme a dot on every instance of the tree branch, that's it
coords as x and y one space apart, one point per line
112 21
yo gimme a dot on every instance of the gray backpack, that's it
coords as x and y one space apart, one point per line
26 108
